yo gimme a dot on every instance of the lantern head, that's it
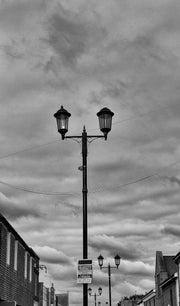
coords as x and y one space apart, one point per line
105 120
62 117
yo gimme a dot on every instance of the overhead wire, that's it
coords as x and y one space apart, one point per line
48 193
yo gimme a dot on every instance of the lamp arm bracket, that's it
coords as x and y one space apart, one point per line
75 138
92 138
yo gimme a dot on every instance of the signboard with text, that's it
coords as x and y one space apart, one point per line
84 271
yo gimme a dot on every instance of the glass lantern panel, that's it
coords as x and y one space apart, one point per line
100 260
117 260
62 123
105 122
100 290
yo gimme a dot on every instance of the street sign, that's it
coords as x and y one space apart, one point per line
84 271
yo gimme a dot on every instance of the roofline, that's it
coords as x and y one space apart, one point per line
4 221
177 258
149 293
169 280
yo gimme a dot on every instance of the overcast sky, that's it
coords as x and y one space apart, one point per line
86 55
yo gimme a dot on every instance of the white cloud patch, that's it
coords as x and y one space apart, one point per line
51 255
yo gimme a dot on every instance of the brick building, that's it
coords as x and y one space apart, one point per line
18 276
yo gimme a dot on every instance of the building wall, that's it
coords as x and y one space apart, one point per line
62 299
150 302
15 285
44 297
169 295
127 303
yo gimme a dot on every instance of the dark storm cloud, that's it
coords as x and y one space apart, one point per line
67 37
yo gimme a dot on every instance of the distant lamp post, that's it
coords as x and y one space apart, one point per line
117 259
105 122
95 295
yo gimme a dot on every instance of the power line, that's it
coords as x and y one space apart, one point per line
144 178
27 149
38 191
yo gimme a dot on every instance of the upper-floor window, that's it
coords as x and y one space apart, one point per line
25 264
8 249
15 254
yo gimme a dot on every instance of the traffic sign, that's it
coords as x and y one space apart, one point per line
84 271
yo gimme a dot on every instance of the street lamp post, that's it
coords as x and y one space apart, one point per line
95 294
109 267
105 121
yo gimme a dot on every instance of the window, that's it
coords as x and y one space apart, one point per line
8 248
25 264
30 269
15 254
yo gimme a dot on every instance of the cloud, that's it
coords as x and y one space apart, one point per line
14 210
15 16
87 55
51 255
67 37
113 246
173 230
136 268
173 179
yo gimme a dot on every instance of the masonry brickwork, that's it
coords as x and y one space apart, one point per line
18 277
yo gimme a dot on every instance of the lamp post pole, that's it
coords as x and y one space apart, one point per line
117 263
95 299
105 121
85 224
109 277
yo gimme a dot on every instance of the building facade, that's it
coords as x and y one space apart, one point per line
47 296
44 295
19 274
149 299
166 280
62 299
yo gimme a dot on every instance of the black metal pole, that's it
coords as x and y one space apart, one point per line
109 275
85 225
95 299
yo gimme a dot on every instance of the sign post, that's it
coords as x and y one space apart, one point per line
84 271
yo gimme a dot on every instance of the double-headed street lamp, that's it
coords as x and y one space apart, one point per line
105 121
95 294
117 259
